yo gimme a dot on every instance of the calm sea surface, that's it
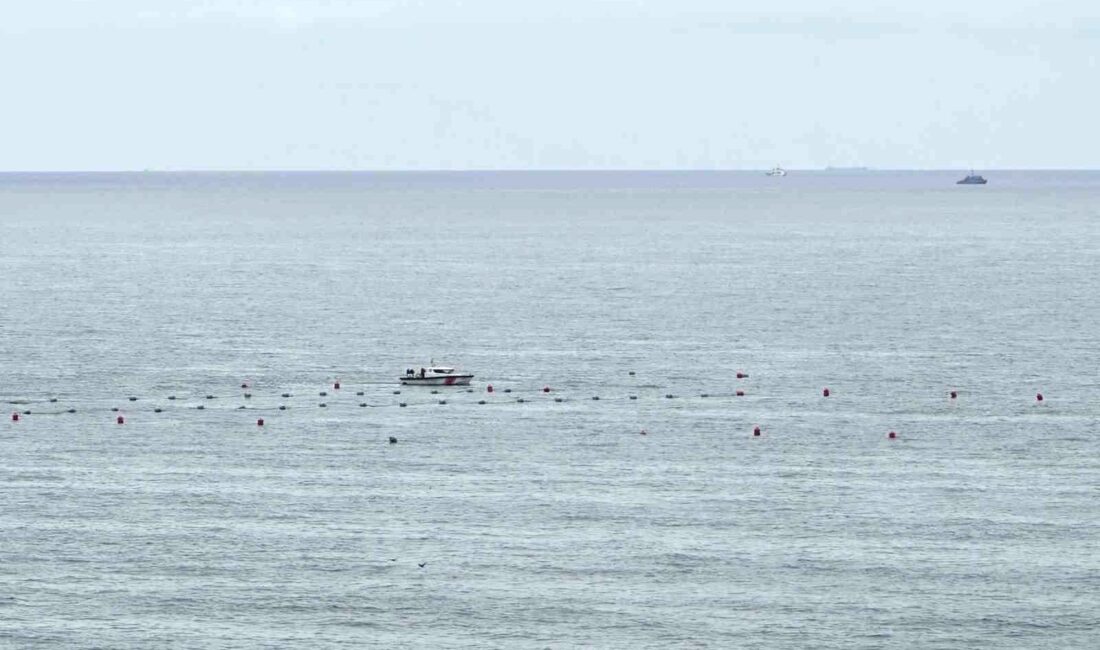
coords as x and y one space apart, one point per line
545 523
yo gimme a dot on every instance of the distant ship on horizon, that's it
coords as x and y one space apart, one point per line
972 179
777 171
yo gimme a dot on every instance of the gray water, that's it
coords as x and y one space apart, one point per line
548 523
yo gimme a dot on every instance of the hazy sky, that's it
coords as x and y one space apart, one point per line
579 84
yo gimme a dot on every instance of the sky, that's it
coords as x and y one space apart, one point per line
554 84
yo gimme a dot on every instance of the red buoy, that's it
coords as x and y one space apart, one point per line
489 388
260 422
546 389
954 394
15 417
120 420
825 392
1038 397
756 431
740 393
741 375
891 435
336 385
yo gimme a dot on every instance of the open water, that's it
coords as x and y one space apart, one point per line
544 523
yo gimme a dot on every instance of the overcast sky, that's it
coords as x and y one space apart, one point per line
554 84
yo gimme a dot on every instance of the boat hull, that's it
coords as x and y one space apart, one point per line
440 380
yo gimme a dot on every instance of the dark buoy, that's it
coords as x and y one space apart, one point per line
954 394
209 397
393 440
892 435
360 393
557 399
595 397
15 417
157 410
546 389
443 401
402 404
323 394
489 388
756 431
259 422
435 392
248 395
507 390
643 432
26 412
120 420
739 393
704 395
171 397
825 392
322 405
396 392
1038 397
133 399
668 396
481 401
631 373
521 400
53 400
282 407
362 404
114 409
633 397
741 375
200 407
336 385
286 395
244 384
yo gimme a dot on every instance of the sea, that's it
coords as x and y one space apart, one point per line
609 492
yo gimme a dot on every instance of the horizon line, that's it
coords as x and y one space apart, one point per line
520 170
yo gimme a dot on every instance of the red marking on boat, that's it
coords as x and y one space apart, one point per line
546 389
892 435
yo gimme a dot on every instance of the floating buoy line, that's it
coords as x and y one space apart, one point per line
252 399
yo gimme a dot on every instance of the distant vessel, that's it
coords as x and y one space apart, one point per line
777 171
435 376
972 179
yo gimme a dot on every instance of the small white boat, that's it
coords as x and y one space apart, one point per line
435 376
777 171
